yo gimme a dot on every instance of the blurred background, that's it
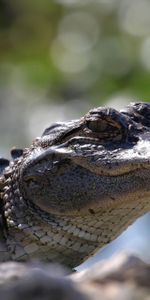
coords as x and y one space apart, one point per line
60 58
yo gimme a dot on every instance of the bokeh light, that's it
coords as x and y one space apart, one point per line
134 16
77 34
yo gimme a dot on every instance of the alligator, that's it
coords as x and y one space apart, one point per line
77 187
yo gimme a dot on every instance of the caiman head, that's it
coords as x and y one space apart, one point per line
79 166
94 168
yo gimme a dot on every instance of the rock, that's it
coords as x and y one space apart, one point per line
123 277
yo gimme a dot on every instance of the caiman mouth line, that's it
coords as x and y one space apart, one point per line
116 167
83 151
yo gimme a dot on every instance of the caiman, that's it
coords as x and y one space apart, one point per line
77 187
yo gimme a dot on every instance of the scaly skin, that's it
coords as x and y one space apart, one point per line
77 187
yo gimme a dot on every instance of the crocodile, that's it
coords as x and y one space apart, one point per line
77 187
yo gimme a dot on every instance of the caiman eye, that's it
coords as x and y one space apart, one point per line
97 125
107 124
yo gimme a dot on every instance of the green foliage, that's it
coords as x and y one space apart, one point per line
65 44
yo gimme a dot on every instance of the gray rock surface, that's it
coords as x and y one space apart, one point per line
123 277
